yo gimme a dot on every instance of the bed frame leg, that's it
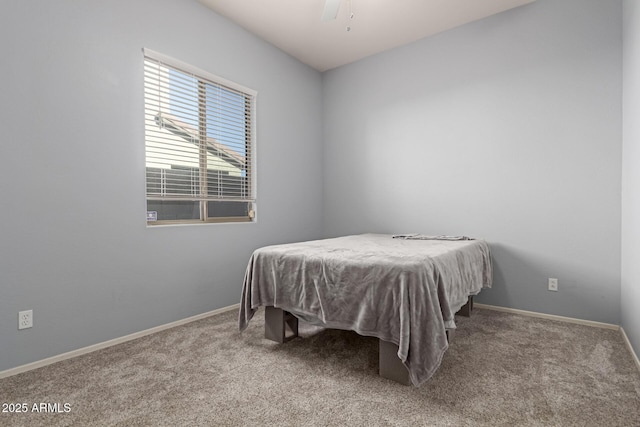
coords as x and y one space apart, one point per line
279 325
466 309
450 334
390 365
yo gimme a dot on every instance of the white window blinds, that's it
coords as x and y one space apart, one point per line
199 138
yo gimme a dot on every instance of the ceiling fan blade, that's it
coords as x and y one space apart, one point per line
331 8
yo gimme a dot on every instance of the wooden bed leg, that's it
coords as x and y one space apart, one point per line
279 325
390 365
466 309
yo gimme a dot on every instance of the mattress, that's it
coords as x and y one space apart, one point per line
404 291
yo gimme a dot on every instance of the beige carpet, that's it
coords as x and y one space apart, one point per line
502 370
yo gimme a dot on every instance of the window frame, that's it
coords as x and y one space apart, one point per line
203 77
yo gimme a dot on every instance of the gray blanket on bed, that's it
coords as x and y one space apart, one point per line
402 291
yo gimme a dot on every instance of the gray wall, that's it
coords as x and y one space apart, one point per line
75 247
508 129
631 175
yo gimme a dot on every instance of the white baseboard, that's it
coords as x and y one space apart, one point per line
115 341
630 347
569 320
120 340
549 316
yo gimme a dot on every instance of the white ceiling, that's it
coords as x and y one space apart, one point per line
295 26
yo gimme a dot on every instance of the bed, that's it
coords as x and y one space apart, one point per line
404 290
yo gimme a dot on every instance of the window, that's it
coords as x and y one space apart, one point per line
199 139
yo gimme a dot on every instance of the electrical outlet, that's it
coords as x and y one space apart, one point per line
553 284
25 319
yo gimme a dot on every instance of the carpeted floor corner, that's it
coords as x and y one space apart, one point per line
501 370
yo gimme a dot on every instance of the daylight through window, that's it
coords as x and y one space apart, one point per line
199 138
